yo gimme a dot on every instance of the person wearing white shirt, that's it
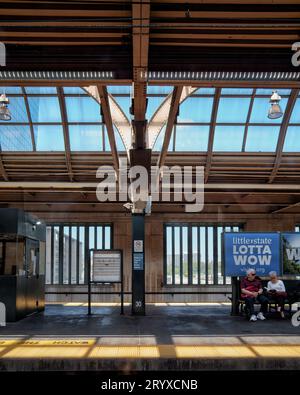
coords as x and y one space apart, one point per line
276 291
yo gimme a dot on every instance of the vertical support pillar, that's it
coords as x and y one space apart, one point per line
235 296
138 264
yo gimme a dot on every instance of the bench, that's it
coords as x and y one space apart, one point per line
292 289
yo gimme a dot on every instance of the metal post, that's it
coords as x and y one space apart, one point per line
138 264
122 286
235 296
89 284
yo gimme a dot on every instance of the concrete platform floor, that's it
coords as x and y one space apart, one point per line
176 337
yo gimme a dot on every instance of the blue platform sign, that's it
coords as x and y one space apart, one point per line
259 251
291 253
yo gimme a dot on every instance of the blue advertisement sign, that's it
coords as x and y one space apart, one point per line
291 253
259 251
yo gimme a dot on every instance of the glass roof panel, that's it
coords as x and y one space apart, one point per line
292 139
228 138
10 90
17 109
49 138
204 91
160 139
260 110
153 104
119 89
44 109
74 90
41 90
262 138
295 117
196 109
236 91
125 103
86 137
191 137
269 92
233 110
83 109
159 89
15 138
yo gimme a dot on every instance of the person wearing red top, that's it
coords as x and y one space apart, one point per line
251 292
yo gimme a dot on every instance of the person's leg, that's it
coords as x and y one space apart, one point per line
249 302
263 300
280 301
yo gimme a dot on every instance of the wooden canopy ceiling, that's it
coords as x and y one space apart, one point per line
128 37
178 34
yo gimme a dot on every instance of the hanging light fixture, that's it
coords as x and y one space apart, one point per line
275 110
4 111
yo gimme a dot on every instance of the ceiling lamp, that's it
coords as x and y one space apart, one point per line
4 111
275 110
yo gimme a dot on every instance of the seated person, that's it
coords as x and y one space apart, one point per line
276 291
251 292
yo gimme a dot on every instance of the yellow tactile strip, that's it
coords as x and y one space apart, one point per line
91 348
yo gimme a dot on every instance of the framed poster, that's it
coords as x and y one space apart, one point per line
291 253
259 251
106 266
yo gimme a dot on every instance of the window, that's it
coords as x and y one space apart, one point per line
86 137
193 254
49 137
67 250
191 138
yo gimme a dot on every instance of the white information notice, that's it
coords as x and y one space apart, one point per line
106 266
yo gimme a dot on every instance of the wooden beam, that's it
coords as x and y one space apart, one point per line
66 132
2 169
140 49
285 208
212 133
29 118
104 100
174 105
283 130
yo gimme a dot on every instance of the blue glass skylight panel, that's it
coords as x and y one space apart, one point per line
233 110
292 139
41 90
44 109
86 137
295 117
236 91
269 92
228 138
74 90
49 138
262 138
119 89
159 89
204 91
17 109
83 109
191 138
153 104
15 138
10 90
260 110
196 109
